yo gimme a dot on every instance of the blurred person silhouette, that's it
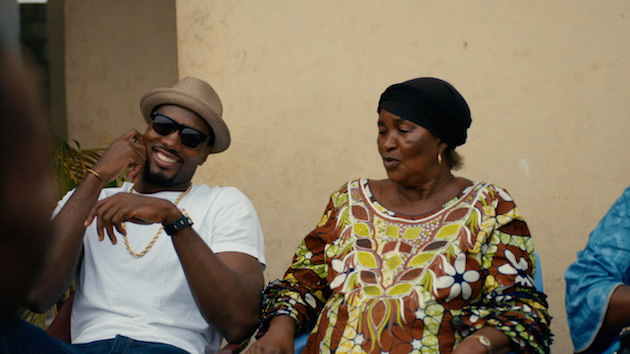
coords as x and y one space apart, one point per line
26 182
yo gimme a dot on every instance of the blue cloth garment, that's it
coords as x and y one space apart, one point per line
600 268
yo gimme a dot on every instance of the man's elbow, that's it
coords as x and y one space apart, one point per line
239 335
242 328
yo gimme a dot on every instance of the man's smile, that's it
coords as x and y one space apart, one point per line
165 159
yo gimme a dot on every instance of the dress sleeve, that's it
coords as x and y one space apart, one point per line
509 301
304 289
600 268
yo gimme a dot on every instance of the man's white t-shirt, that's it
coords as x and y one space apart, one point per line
148 298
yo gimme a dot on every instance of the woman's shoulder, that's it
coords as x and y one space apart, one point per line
340 195
353 183
491 190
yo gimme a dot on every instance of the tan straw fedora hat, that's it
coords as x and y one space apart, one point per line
196 95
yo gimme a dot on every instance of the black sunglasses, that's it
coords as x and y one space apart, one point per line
165 126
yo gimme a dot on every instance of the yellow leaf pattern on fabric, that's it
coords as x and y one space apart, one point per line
421 259
372 290
393 262
448 231
400 289
366 259
412 233
392 231
361 229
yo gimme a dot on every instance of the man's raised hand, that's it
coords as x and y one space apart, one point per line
127 153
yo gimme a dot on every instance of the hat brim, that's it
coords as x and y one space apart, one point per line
162 96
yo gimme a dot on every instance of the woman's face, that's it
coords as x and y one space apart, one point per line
409 151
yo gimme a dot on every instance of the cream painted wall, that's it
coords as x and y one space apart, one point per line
115 50
547 83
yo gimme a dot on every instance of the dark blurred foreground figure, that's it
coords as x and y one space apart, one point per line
25 182
598 285
161 265
422 261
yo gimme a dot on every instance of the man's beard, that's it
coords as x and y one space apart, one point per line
157 179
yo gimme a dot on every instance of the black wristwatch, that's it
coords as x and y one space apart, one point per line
183 222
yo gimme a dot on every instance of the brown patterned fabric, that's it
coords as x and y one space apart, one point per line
370 280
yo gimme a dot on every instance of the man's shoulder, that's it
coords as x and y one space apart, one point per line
223 191
218 194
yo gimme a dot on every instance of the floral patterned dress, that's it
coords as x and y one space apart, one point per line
370 280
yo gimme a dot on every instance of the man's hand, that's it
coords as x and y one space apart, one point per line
127 153
112 212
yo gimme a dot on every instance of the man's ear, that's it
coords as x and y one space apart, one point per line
205 156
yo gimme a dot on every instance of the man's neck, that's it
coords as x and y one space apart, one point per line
149 188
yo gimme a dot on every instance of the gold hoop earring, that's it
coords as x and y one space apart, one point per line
439 158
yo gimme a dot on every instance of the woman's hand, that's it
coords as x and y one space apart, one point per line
471 346
499 342
278 339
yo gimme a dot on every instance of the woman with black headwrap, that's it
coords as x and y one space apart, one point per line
422 261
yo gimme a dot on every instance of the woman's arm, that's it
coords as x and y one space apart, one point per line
510 304
277 339
292 304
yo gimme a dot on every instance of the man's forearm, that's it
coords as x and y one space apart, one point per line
227 287
65 247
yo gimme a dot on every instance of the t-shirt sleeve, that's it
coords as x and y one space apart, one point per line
233 225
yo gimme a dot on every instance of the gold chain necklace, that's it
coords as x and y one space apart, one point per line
157 234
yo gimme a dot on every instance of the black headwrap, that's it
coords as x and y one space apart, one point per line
431 103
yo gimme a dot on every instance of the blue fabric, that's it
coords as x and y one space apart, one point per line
24 338
538 278
299 342
602 266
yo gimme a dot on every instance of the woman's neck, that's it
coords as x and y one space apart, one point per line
419 199
424 191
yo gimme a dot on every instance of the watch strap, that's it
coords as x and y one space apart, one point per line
183 222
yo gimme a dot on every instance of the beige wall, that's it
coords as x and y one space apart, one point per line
547 83
114 51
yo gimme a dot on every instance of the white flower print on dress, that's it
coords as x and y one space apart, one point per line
458 278
337 266
517 267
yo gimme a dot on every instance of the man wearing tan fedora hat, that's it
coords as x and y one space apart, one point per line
188 271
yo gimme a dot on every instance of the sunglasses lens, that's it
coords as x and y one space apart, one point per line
163 125
192 138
